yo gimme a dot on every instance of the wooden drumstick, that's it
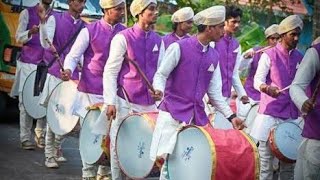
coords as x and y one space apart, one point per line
315 93
260 50
144 77
55 53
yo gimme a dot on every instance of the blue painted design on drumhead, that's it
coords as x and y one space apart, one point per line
141 148
186 155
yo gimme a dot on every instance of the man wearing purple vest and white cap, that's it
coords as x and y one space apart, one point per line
142 45
308 74
31 55
280 63
93 43
183 92
229 50
182 21
58 29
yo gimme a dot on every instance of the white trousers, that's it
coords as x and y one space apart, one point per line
308 161
53 143
266 164
26 123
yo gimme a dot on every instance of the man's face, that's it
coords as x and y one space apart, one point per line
232 25
77 5
150 14
116 13
291 38
216 32
186 26
273 39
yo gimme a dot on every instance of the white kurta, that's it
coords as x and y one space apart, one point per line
308 161
166 130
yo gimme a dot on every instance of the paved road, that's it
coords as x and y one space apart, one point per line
16 163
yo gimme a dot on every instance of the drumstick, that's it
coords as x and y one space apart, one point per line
144 77
285 88
258 51
55 53
315 93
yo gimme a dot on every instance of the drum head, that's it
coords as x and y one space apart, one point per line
190 159
59 110
251 117
30 102
90 144
220 122
133 146
288 137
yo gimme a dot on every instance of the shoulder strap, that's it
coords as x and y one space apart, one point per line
66 44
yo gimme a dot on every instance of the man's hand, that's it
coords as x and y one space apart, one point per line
111 112
237 123
244 99
249 54
156 95
33 30
66 75
272 91
307 106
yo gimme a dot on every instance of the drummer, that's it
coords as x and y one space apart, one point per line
229 50
182 21
276 105
124 89
272 37
93 43
58 34
31 54
308 161
182 103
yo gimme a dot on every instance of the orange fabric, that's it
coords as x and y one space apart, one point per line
236 157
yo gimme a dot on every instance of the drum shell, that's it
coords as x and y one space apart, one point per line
223 150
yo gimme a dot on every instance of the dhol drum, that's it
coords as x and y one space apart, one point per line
92 146
249 120
59 110
207 153
284 140
133 144
31 102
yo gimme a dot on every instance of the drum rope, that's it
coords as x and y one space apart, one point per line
127 100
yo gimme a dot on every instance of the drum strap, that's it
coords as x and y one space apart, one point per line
127 100
42 67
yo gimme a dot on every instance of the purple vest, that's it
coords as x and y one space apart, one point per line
226 47
65 29
171 38
96 55
188 82
140 48
282 71
32 51
311 127
248 86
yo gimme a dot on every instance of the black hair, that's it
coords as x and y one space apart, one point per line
201 28
174 26
233 12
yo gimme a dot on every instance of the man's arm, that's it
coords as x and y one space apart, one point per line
75 55
305 74
23 34
47 31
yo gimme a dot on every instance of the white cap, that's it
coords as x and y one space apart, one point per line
105 4
183 14
290 23
316 41
271 30
137 6
211 16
